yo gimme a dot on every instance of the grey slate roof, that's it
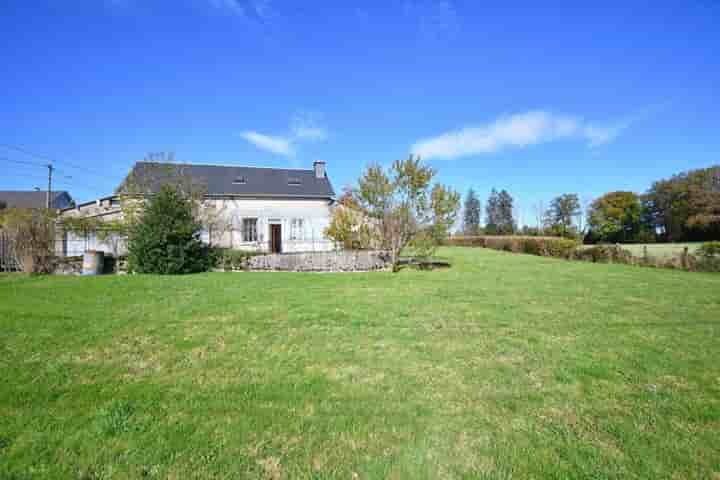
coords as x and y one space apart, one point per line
35 199
227 180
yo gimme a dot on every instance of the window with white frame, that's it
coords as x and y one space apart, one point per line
296 229
249 232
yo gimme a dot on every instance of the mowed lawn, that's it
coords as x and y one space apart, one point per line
503 366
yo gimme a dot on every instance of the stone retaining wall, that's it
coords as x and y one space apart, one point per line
342 261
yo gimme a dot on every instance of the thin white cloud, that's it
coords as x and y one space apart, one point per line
278 145
258 10
306 126
519 130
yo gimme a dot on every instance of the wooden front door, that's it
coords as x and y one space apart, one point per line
276 238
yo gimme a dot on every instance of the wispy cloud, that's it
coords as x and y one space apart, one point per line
258 10
278 145
304 127
435 18
519 130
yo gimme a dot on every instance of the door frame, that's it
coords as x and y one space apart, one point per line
275 237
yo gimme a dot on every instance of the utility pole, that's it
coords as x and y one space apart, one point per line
49 189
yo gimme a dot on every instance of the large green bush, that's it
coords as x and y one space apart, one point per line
707 257
604 254
166 237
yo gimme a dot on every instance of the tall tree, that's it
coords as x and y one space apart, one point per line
685 206
165 239
405 207
615 217
559 217
471 214
499 213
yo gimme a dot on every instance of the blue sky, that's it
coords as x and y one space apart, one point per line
537 99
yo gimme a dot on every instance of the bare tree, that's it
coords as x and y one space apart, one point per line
539 211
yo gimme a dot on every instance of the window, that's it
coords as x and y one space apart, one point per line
249 232
296 229
240 180
294 181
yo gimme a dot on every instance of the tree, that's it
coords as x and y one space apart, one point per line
685 206
559 217
349 224
539 211
31 234
615 217
3 205
499 213
471 214
165 239
404 207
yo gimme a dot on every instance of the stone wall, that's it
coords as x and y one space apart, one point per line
341 261
69 266
74 265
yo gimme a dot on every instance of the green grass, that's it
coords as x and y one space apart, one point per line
501 366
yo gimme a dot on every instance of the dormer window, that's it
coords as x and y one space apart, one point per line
240 181
294 181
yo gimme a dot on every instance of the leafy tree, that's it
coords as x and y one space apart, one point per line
559 217
499 213
615 217
404 207
165 239
685 206
349 225
471 214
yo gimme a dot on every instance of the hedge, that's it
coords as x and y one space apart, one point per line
706 259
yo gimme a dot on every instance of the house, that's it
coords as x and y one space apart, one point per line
247 208
35 199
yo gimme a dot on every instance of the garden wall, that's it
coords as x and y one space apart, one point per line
340 261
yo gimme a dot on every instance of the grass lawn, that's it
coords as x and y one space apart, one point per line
501 366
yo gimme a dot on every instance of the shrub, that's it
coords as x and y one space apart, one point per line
230 260
604 254
506 244
465 241
31 234
531 246
559 247
707 257
166 237
709 249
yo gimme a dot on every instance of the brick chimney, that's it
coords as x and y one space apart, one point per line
319 167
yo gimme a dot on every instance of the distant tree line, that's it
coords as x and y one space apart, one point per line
685 207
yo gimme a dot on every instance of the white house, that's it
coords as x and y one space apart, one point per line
248 208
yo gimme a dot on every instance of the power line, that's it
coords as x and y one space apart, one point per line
24 150
33 164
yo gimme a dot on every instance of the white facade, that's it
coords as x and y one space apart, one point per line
301 224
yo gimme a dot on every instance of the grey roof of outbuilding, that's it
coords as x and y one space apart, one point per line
223 180
31 198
